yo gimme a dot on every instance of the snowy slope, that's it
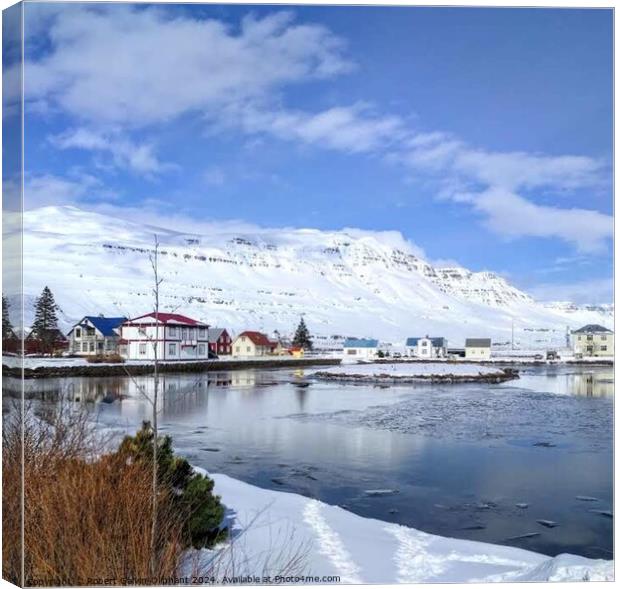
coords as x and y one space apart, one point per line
343 282
270 528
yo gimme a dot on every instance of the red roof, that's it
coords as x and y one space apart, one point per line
168 317
258 338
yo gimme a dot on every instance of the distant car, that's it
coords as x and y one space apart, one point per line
538 357
397 355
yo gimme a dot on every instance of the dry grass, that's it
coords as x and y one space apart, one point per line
85 520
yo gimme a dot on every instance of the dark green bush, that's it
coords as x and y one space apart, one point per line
193 492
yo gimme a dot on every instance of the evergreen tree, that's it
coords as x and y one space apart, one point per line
7 326
302 336
45 324
192 492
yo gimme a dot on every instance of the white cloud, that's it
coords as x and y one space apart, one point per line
125 153
490 183
511 215
51 190
140 66
350 128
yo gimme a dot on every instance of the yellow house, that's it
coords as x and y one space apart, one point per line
593 340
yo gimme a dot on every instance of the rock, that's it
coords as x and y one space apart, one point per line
522 505
277 481
210 449
544 445
547 523
393 511
475 527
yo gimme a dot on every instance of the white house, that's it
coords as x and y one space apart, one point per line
427 347
593 340
478 348
173 336
360 349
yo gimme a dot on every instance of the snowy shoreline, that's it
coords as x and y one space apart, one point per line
336 542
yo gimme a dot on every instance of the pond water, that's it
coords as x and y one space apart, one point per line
476 461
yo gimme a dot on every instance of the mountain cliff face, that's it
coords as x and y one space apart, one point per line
344 283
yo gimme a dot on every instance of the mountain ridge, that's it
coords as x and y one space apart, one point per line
348 282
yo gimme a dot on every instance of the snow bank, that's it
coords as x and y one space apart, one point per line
412 370
335 542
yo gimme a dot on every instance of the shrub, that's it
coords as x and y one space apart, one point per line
191 492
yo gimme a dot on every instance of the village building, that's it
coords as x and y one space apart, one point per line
252 343
427 347
593 340
360 349
478 348
220 342
94 335
170 336
55 343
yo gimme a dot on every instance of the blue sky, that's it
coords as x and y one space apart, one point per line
483 135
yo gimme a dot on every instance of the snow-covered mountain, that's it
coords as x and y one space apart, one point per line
343 282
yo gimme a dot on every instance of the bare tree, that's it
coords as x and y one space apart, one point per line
156 284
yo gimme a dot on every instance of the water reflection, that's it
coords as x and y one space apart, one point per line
581 382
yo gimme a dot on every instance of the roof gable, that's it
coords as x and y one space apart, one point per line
257 338
437 342
169 318
478 342
592 328
106 325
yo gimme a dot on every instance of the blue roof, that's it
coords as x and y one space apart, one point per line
360 343
438 342
106 325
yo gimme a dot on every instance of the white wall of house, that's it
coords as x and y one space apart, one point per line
359 353
593 344
477 353
86 340
425 349
169 341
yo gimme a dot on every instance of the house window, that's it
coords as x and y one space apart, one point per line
172 349
92 346
247 349
78 333
84 347
141 330
201 332
351 352
590 338
579 337
603 348
172 331
238 348
604 337
142 349
243 338
201 349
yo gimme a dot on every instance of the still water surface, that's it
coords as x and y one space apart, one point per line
447 459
